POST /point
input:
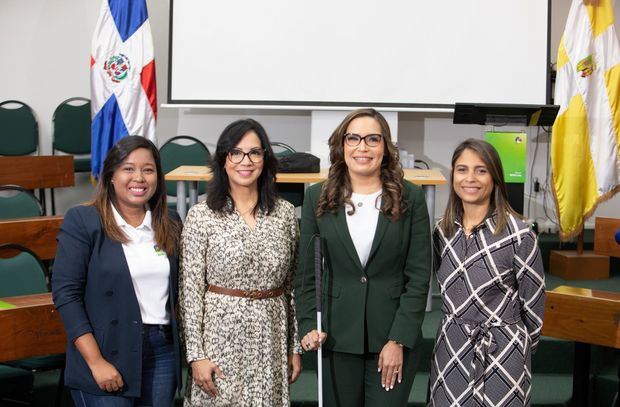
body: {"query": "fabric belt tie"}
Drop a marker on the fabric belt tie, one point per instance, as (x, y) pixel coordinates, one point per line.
(484, 344)
(251, 294)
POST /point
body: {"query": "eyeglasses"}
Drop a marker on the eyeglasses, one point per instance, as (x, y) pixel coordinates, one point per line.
(256, 155)
(354, 140)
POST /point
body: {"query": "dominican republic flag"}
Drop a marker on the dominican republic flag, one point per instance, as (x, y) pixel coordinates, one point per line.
(122, 77)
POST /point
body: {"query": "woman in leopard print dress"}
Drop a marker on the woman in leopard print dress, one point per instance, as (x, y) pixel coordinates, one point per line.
(238, 259)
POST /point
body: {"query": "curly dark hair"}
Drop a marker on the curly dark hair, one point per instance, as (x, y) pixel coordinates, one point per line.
(218, 189)
(336, 191)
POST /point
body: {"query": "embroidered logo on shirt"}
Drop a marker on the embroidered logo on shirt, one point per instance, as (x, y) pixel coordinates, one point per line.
(158, 250)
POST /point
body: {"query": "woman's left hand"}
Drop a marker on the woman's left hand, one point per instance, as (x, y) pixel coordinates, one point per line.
(390, 364)
(294, 368)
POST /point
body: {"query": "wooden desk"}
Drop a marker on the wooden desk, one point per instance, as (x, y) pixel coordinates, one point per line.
(583, 315)
(586, 317)
(31, 327)
(37, 234)
(191, 174)
(37, 172)
(604, 241)
(202, 173)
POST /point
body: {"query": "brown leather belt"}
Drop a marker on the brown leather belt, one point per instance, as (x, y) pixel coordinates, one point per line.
(251, 294)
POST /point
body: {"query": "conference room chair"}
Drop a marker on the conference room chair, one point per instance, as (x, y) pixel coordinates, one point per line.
(292, 192)
(23, 273)
(71, 123)
(15, 385)
(19, 131)
(182, 150)
(17, 202)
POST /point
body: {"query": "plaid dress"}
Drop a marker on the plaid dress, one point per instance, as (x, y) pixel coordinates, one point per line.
(493, 293)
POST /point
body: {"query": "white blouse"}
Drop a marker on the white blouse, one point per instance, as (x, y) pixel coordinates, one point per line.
(149, 269)
(363, 223)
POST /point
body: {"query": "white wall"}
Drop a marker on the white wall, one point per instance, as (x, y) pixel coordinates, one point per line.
(45, 50)
(293, 60)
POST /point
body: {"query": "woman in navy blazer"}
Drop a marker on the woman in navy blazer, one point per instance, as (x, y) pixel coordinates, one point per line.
(115, 285)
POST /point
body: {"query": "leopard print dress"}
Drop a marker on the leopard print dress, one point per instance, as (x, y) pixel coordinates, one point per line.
(249, 340)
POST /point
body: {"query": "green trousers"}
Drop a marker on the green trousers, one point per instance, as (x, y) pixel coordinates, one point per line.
(351, 380)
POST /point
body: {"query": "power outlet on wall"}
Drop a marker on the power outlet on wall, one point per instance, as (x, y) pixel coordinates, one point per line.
(547, 226)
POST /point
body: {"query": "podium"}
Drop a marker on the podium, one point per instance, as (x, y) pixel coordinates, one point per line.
(588, 265)
(587, 317)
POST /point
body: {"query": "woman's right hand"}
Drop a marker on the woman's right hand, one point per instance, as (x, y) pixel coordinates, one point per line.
(107, 377)
(312, 340)
(105, 374)
(202, 373)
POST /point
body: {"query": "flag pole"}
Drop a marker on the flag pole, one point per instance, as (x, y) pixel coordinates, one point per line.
(580, 242)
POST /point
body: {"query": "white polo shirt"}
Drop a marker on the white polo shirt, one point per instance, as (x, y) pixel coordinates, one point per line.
(149, 269)
(363, 223)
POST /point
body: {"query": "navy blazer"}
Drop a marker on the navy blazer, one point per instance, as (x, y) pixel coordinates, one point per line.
(93, 291)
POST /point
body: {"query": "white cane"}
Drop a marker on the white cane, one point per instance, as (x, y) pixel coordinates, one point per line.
(318, 272)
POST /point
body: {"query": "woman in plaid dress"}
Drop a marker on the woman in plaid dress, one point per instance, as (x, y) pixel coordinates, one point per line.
(492, 285)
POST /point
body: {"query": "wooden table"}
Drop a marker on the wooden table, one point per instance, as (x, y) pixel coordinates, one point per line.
(38, 234)
(30, 326)
(38, 172)
(191, 174)
(586, 317)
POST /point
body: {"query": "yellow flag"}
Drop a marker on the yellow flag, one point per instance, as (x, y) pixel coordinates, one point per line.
(586, 134)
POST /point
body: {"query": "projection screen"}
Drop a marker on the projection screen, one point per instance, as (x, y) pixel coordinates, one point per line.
(390, 53)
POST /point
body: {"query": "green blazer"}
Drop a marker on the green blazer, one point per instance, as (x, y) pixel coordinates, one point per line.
(384, 300)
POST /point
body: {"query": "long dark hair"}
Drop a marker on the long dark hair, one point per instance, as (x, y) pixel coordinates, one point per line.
(218, 189)
(337, 188)
(499, 196)
(166, 230)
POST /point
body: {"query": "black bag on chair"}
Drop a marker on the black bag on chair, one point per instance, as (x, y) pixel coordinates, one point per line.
(299, 162)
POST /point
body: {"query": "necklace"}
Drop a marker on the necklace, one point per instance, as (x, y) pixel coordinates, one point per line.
(246, 210)
(366, 199)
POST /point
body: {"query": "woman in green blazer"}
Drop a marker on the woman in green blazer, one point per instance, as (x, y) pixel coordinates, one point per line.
(375, 238)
